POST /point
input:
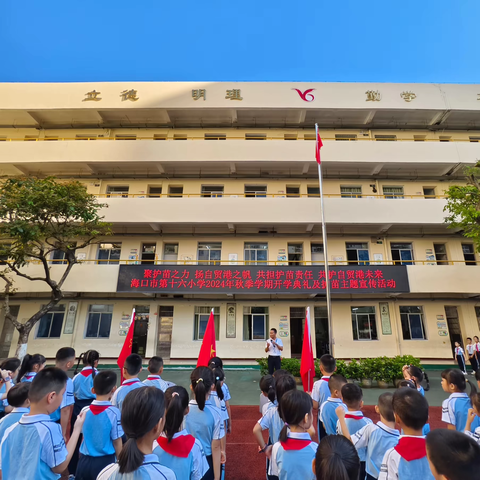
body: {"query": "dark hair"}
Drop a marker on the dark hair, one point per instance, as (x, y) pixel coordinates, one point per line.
(474, 398)
(11, 364)
(267, 385)
(411, 406)
(295, 405)
(273, 330)
(283, 385)
(279, 373)
(336, 459)
(202, 380)
(155, 364)
(18, 394)
(328, 363)
(176, 401)
(142, 409)
(104, 382)
(469, 338)
(419, 376)
(133, 364)
(336, 382)
(475, 336)
(89, 358)
(407, 384)
(64, 354)
(453, 454)
(216, 362)
(28, 362)
(455, 377)
(352, 395)
(49, 380)
(385, 405)
(219, 378)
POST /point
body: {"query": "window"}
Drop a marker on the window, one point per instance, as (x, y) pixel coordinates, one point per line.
(51, 323)
(124, 136)
(99, 321)
(3, 138)
(295, 254)
(175, 191)
(293, 191)
(412, 323)
(345, 138)
(419, 138)
(309, 136)
(180, 136)
(209, 253)
(364, 325)
(31, 138)
(468, 254)
(88, 136)
(58, 256)
(202, 314)
(256, 253)
(440, 253)
(109, 253)
(385, 138)
(255, 136)
(357, 253)
(290, 136)
(213, 191)
(313, 191)
(444, 138)
(149, 253)
(159, 136)
(393, 192)
(50, 139)
(474, 139)
(117, 191)
(255, 190)
(170, 253)
(402, 253)
(317, 254)
(154, 192)
(429, 192)
(349, 191)
(215, 136)
(255, 323)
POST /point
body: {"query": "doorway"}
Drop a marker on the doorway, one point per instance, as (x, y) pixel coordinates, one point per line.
(322, 341)
(454, 330)
(148, 253)
(140, 332)
(165, 326)
(295, 254)
(297, 320)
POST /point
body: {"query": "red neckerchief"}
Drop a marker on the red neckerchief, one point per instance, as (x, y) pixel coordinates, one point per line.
(153, 377)
(180, 446)
(96, 409)
(355, 417)
(28, 376)
(295, 444)
(411, 448)
(87, 373)
(325, 379)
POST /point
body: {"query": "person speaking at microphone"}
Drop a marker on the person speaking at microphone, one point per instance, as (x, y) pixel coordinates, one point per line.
(274, 348)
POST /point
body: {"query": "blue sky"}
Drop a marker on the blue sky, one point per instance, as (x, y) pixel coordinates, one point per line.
(244, 40)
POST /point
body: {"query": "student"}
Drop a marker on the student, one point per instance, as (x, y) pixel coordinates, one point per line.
(218, 362)
(353, 420)
(204, 420)
(293, 454)
(274, 348)
(131, 369)
(455, 407)
(416, 375)
(155, 368)
(460, 357)
(408, 459)
(470, 350)
(376, 438)
(6, 382)
(473, 416)
(34, 447)
(102, 431)
(31, 365)
(412, 384)
(18, 400)
(267, 395)
(476, 345)
(175, 447)
(336, 459)
(327, 414)
(64, 360)
(217, 397)
(452, 455)
(12, 365)
(143, 418)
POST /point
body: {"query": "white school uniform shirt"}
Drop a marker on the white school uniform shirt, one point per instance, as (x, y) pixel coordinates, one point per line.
(476, 346)
(272, 422)
(475, 435)
(455, 410)
(10, 419)
(149, 470)
(272, 349)
(407, 461)
(458, 351)
(377, 439)
(121, 392)
(321, 390)
(38, 439)
(267, 406)
(355, 421)
(158, 382)
(470, 349)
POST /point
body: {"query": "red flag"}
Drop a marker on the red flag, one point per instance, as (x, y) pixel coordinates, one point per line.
(307, 365)
(318, 146)
(127, 345)
(208, 349)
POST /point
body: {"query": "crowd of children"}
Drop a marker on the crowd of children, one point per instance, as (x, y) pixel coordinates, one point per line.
(351, 447)
(88, 429)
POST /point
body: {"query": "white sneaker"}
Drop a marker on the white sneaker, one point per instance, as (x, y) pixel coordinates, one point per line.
(465, 373)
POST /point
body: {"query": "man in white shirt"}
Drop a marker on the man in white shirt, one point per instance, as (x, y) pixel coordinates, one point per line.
(274, 348)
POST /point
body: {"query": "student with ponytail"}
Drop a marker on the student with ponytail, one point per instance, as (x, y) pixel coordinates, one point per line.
(143, 418)
(293, 454)
(267, 397)
(175, 447)
(218, 362)
(31, 365)
(9, 370)
(336, 459)
(204, 420)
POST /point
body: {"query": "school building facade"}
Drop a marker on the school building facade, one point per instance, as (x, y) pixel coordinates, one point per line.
(212, 190)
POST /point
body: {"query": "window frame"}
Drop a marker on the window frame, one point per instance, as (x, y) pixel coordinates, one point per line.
(370, 322)
(469, 262)
(217, 191)
(209, 250)
(85, 336)
(248, 322)
(51, 313)
(393, 195)
(358, 260)
(401, 261)
(206, 313)
(101, 261)
(250, 193)
(422, 321)
(256, 250)
(350, 193)
(111, 193)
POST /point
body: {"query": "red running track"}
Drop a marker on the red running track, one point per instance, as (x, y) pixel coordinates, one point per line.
(243, 461)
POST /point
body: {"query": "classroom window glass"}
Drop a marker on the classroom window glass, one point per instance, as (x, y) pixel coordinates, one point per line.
(202, 314)
(364, 323)
(51, 323)
(412, 323)
(255, 323)
(99, 321)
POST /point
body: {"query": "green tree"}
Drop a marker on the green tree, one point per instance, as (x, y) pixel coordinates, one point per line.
(463, 206)
(38, 217)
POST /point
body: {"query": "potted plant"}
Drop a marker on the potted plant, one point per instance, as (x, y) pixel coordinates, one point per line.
(353, 370)
(382, 372)
(367, 366)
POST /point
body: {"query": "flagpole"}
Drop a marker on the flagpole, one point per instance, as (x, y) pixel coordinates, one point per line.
(325, 253)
